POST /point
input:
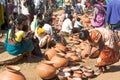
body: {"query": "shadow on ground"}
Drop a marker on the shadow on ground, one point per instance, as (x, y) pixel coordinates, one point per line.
(2, 49)
(114, 68)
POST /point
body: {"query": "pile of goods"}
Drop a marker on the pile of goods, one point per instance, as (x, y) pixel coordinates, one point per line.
(63, 62)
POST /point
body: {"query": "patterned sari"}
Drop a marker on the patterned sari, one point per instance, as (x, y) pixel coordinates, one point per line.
(108, 51)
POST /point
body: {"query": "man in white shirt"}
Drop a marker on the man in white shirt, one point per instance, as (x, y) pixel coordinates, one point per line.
(47, 26)
(67, 25)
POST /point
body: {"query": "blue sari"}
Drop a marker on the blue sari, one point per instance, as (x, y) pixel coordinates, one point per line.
(18, 48)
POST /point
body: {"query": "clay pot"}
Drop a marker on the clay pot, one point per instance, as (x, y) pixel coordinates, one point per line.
(94, 52)
(72, 56)
(69, 54)
(89, 73)
(70, 38)
(77, 74)
(85, 49)
(59, 60)
(12, 73)
(63, 75)
(61, 47)
(50, 53)
(87, 20)
(75, 68)
(78, 50)
(66, 69)
(73, 78)
(75, 58)
(85, 68)
(46, 70)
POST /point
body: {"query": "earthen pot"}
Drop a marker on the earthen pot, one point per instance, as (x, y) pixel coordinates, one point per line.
(50, 53)
(85, 49)
(59, 60)
(12, 73)
(65, 69)
(78, 50)
(89, 73)
(61, 47)
(85, 68)
(73, 78)
(69, 54)
(87, 20)
(77, 74)
(94, 52)
(75, 58)
(46, 70)
(63, 75)
(75, 68)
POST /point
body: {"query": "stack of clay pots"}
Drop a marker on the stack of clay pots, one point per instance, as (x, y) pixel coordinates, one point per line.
(74, 38)
(86, 21)
(59, 61)
(84, 49)
(75, 73)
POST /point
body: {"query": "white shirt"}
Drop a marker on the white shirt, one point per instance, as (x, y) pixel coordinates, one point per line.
(24, 9)
(77, 24)
(48, 29)
(67, 26)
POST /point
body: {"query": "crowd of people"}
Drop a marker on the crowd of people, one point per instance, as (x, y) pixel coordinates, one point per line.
(31, 31)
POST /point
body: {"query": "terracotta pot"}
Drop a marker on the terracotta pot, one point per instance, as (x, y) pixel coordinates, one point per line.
(12, 73)
(87, 20)
(50, 53)
(72, 63)
(46, 70)
(85, 68)
(61, 47)
(65, 69)
(70, 38)
(69, 54)
(77, 74)
(85, 49)
(75, 68)
(73, 78)
(75, 58)
(63, 75)
(89, 73)
(94, 52)
(59, 60)
(78, 50)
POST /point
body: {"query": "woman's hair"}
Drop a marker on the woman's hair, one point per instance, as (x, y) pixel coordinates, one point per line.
(17, 22)
(70, 16)
(39, 15)
(84, 34)
(93, 2)
(25, 28)
(78, 19)
(48, 20)
(40, 23)
(49, 13)
(20, 19)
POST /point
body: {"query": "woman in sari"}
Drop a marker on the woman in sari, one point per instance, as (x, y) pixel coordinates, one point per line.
(108, 48)
(17, 42)
(99, 13)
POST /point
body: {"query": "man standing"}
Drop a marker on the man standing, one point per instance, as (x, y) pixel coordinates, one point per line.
(67, 4)
(113, 14)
